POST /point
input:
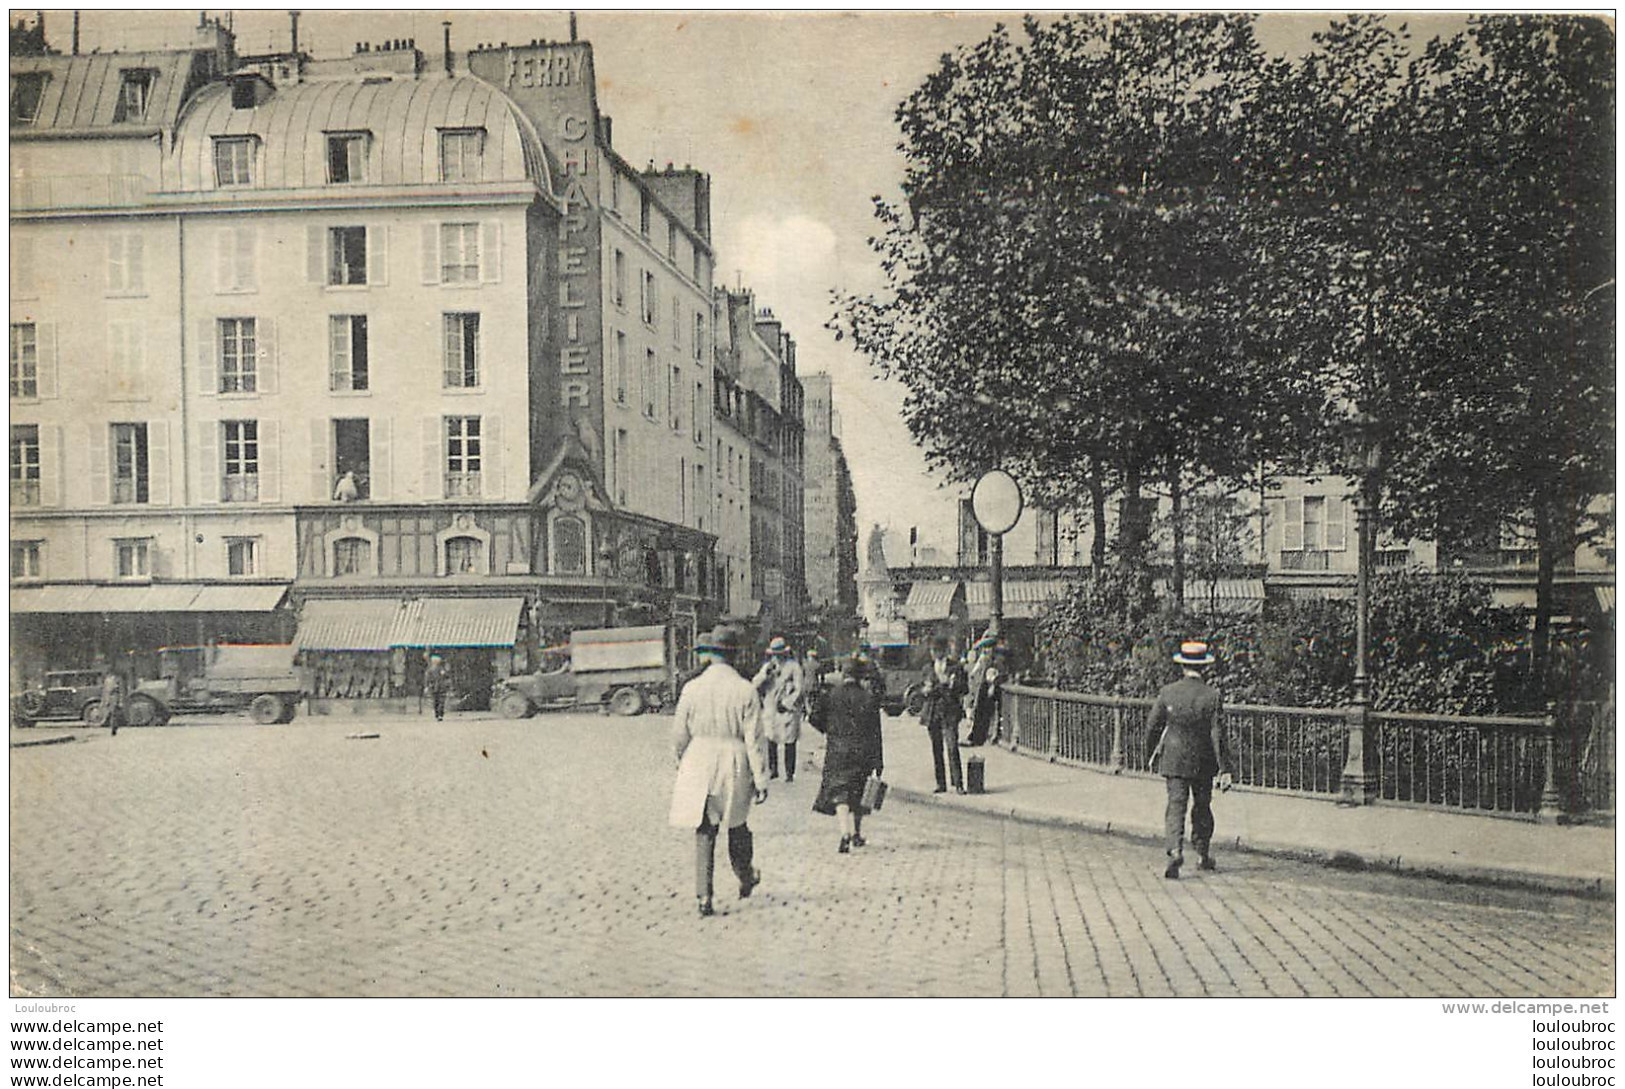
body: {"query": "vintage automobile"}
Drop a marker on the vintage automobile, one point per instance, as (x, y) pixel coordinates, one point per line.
(622, 670)
(65, 696)
(899, 667)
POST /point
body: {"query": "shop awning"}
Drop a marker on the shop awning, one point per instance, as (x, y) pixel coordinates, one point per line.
(1228, 595)
(930, 600)
(1023, 600)
(1605, 598)
(466, 622)
(168, 597)
(353, 623)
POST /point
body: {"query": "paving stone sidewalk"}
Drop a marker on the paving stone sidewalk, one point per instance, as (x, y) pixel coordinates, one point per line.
(1491, 850)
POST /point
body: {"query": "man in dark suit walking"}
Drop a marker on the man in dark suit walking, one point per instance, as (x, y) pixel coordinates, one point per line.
(943, 685)
(1189, 753)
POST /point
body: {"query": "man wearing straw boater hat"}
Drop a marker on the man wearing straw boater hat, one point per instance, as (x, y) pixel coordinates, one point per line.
(1189, 753)
(717, 736)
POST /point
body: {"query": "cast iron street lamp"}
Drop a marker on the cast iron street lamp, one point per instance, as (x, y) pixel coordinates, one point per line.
(1365, 455)
(996, 503)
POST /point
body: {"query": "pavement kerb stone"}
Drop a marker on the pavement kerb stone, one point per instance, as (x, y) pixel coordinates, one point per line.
(1454, 873)
(62, 739)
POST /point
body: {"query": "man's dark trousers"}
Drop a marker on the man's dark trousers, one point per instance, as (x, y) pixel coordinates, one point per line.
(946, 738)
(1199, 792)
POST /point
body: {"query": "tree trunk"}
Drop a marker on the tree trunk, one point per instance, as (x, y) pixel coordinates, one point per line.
(1130, 538)
(1547, 543)
(1176, 494)
(1097, 510)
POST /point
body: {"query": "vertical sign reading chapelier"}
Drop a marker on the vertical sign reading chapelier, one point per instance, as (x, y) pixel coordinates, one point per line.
(553, 86)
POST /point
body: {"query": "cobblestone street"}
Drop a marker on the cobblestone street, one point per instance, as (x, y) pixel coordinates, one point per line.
(489, 857)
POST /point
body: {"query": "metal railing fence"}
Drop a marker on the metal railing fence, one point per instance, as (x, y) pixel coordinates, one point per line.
(1506, 766)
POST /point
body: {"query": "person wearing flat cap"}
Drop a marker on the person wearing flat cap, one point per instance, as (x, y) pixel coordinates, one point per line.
(1186, 718)
(782, 684)
(721, 764)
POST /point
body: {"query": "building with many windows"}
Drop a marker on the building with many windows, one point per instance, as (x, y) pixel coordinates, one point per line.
(408, 340)
(830, 514)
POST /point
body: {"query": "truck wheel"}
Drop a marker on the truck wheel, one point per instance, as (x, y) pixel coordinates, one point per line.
(626, 701)
(266, 709)
(514, 705)
(144, 711)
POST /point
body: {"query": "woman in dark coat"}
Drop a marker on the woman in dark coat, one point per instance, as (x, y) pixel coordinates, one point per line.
(848, 715)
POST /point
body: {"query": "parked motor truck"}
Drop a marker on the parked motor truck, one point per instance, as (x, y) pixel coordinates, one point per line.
(623, 670)
(219, 678)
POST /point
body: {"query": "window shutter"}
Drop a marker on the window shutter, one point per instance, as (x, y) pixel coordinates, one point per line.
(135, 273)
(208, 356)
(225, 260)
(491, 252)
(50, 465)
(433, 454)
(316, 255)
(321, 480)
(491, 480)
(265, 345)
(1336, 524)
(115, 262)
(23, 284)
(430, 253)
(270, 462)
(378, 254)
(208, 462)
(380, 458)
(1292, 525)
(97, 439)
(158, 462)
(45, 358)
(247, 278)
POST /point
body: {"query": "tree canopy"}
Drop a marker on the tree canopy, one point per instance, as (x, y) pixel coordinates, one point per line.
(1139, 250)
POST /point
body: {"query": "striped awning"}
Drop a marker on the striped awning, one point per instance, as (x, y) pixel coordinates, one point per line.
(385, 623)
(930, 600)
(467, 622)
(354, 623)
(1605, 598)
(1223, 595)
(168, 597)
(1023, 599)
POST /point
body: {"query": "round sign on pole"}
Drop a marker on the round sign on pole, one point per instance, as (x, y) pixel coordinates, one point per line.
(996, 501)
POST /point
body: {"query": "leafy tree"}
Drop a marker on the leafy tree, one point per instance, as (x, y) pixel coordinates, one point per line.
(1063, 277)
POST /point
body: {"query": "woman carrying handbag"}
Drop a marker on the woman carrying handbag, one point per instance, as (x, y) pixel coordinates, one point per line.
(848, 715)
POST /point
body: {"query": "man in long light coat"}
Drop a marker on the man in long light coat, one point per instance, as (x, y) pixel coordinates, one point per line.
(782, 684)
(721, 764)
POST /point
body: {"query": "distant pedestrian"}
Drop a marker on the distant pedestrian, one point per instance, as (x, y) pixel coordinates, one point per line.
(983, 678)
(717, 737)
(1189, 752)
(943, 687)
(112, 702)
(435, 683)
(783, 687)
(848, 715)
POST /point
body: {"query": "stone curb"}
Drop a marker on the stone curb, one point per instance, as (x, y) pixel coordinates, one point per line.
(1454, 873)
(35, 743)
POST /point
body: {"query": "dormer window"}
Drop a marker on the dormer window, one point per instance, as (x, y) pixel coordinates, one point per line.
(234, 160)
(346, 157)
(460, 154)
(135, 92)
(27, 91)
(244, 94)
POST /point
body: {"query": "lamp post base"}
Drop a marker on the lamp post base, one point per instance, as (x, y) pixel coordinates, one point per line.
(1359, 787)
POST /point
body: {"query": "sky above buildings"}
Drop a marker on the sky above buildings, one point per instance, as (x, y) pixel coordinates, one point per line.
(793, 117)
